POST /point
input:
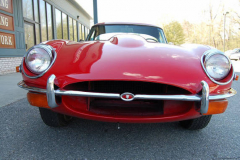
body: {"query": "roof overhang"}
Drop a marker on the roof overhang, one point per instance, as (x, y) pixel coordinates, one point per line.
(79, 7)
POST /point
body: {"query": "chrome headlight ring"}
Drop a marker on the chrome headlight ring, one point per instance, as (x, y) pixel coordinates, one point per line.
(210, 53)
(52, 53)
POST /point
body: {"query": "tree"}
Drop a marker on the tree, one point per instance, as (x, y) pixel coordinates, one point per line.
(210, 30)
(174, 33)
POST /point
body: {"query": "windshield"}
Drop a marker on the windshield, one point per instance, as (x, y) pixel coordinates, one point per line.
(236, 50)
(105, 32)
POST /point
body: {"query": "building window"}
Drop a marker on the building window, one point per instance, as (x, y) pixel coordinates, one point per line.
(86, 33)
(65, 28)
(70, 22)
(83, 33)
(43, 20)
(80, 31)
(75, 30)
(29, 35)
(31, 22)
(59, 23)
(37, 31)
(38, 17)
(28, 9)
(49, 21)
(36, 12)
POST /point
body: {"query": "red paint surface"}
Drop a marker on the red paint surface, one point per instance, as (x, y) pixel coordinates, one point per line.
(130, 58)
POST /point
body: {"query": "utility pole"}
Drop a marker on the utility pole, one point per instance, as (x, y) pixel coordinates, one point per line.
(95, 11)
(224, 14)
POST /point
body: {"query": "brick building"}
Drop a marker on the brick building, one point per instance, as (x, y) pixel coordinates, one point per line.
(24, 23)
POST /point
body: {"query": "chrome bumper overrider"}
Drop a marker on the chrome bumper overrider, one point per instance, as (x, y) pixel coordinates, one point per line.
(204, 98)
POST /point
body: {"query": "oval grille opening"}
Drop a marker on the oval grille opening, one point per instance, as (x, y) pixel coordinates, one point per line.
(134, 87)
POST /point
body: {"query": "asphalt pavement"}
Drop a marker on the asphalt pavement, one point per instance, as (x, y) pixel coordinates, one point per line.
(9, 91)
(236, 65)
(23, 135)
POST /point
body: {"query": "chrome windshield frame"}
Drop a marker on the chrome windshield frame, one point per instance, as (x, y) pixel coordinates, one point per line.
(160, 31)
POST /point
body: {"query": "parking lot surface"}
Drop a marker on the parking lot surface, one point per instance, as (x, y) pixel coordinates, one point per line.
(23, 135)
(236, 65)
(9, 92)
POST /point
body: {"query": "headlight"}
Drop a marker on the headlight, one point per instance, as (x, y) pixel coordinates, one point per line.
(217, 65)
(39, 58)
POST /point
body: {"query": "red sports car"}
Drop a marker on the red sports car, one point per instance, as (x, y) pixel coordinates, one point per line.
(127, 73)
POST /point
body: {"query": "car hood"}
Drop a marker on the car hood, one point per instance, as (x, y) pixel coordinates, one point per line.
(130, 58)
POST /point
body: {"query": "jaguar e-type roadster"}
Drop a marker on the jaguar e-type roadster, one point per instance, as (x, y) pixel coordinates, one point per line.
(127, 73)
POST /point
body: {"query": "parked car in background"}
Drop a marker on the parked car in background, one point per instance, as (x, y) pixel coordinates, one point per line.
(127, 73)
(233, 54)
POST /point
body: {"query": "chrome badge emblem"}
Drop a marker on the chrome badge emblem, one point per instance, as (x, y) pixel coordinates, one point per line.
(127, 96)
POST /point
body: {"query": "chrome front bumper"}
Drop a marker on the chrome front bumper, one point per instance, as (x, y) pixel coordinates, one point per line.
(204, 98)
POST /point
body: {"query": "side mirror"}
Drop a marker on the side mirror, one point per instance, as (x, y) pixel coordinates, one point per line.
(80, 40)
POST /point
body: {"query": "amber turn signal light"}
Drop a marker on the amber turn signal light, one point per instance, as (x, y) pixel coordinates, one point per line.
(236, 78)
(38, 100)
(217, 107)
(18, 69)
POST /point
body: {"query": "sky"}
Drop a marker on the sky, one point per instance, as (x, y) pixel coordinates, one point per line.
(156, 12)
